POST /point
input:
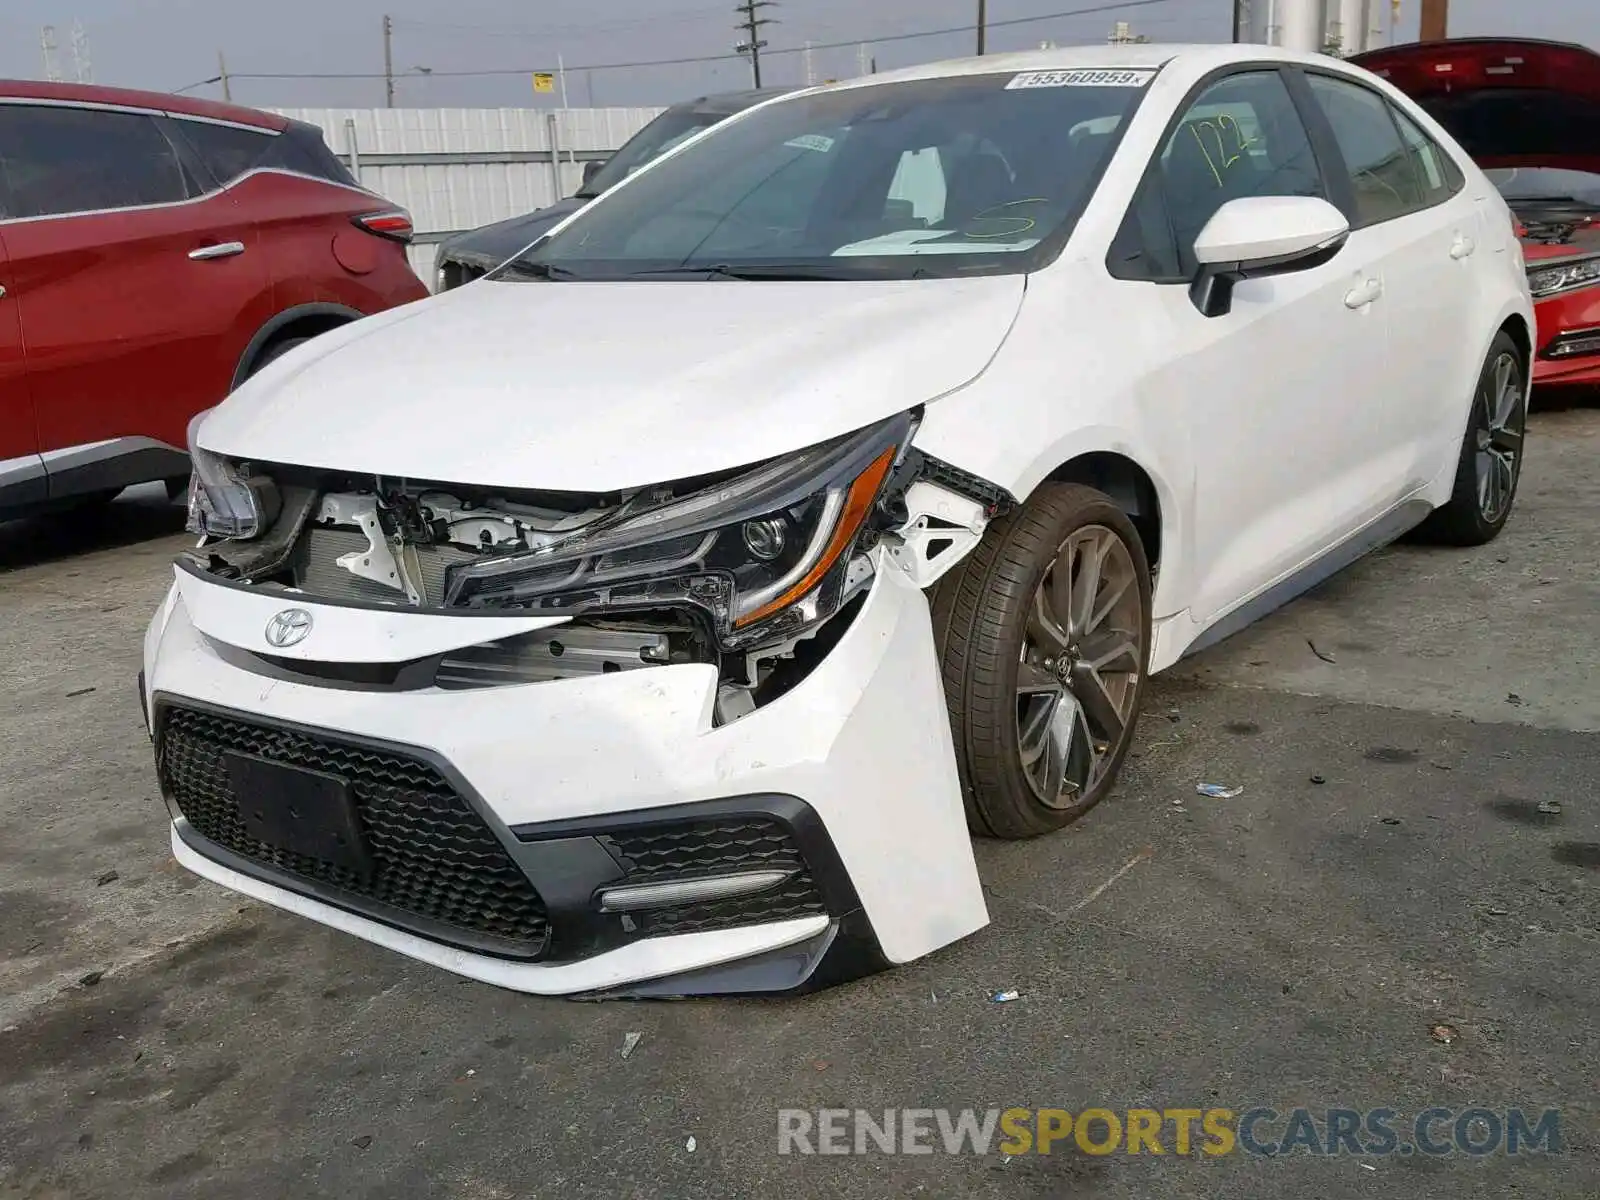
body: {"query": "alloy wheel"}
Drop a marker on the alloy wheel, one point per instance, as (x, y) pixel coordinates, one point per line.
(1502, 420)
(1078, 679)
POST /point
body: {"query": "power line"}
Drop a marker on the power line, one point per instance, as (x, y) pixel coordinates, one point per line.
(1090, 10)
(189, 87)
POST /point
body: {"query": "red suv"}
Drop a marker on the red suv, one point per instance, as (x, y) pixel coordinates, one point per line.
(154, 252)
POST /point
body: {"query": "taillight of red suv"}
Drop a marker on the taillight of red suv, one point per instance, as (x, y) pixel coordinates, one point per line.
(392, 223)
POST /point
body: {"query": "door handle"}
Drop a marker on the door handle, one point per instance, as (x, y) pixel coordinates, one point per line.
(1462, 246)
(220, 250)
(1363, 293)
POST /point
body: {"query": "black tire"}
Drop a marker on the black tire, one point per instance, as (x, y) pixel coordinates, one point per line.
(275, 351)
(980, 620)
(1467, 519)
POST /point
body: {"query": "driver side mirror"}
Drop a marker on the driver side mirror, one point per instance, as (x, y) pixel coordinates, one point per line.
(591, 169)
(1257, 236)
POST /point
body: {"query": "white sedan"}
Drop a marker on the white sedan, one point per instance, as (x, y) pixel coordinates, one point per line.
(663, 613)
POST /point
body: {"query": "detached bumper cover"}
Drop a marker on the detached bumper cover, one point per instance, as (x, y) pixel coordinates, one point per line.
(497, 818)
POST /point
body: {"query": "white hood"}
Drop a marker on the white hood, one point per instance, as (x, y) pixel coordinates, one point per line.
(608, 386)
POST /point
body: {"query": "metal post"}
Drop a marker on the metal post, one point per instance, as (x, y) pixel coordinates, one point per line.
(388, 62)
(983, 24)
(561, 74)
(553, 122)
(222, 73)
(350, 147)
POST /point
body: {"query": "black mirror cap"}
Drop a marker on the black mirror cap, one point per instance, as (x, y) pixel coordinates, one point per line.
(1212, 287)
(591, 169)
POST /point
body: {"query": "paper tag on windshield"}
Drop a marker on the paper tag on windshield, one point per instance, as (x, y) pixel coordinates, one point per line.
(811, 141)
(1091, 77)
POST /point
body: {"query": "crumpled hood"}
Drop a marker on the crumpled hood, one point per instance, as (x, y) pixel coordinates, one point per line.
(607, 386)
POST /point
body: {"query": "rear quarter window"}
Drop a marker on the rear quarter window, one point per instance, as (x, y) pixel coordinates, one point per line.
(227, 151)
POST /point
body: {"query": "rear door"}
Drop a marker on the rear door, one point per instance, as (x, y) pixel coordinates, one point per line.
(1410, 205)
(134, 286)
(21, 468)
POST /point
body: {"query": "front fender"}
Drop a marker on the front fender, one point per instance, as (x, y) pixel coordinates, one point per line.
(1019, 463)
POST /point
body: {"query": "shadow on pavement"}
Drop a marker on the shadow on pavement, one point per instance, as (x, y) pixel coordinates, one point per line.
(138, 515)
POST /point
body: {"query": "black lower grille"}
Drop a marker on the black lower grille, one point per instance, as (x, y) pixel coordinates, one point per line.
(436, 865)
(695, 849)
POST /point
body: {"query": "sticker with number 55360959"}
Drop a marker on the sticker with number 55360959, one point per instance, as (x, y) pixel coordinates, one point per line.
(1082, 77)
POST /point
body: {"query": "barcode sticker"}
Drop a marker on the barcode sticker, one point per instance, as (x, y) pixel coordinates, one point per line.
(1083, 77)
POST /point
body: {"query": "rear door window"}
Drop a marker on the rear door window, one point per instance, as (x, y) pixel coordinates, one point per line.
(58, 160)
(1382, 170)
(1431, 163)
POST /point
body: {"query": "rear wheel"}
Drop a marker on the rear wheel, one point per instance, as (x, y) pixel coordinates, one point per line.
(1490, 465)
(1044, 636)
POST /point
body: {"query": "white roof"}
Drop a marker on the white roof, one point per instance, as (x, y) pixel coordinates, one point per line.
(1202, 56)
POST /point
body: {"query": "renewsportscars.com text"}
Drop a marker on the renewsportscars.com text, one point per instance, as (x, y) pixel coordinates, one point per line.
(1260, 1131)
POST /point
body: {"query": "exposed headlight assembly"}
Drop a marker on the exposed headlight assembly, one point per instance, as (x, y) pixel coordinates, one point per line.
(764, 554)
(1546, 278)
(224, 501)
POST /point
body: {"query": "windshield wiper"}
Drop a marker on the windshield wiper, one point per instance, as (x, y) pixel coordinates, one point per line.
(539, 270)
(761, 271)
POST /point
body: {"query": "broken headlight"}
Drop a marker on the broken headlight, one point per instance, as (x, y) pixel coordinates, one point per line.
(764, 554)
(225, 502)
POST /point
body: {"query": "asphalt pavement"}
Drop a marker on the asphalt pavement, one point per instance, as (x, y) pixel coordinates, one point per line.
(1399, 910)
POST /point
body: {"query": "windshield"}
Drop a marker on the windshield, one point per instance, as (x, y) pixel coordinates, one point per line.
(1554, 184)
(962, 175)
(654, 140)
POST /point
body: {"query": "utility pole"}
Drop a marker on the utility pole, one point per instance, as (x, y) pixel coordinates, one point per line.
(388, 62)
(222, 74)
(47, 47)
(1435, 21)
(750, 10)
(983, 23)
(81, 67)
(808, 66)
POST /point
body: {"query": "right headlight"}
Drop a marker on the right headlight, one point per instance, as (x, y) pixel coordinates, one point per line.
(764, 554)
(1546, 278)
(223, 501)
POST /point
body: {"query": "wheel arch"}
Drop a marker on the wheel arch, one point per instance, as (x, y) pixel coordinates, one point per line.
(1516, 325)
(303, 320)
(1129, 485)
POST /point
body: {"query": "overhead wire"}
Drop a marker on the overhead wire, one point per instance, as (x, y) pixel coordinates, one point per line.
(488, 72)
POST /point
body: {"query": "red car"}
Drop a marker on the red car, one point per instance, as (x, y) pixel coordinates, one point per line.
(1529, 113)
(154, 251)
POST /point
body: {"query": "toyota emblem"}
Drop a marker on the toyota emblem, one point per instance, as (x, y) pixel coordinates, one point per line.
(288, 628)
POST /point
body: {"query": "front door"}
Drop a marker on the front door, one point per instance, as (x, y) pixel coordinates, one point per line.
(1278, 394)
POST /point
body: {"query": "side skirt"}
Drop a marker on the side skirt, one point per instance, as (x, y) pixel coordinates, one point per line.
(1387, 528)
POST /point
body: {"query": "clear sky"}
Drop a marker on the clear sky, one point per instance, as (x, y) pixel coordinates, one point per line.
(167, 44)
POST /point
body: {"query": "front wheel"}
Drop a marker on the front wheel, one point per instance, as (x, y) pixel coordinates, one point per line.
(1490, 464)
(1044, 639)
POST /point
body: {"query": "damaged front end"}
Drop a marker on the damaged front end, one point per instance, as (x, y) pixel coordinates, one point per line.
(757, 571)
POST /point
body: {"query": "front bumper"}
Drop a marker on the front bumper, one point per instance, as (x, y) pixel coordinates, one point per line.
(1568, 322)
(556, 791)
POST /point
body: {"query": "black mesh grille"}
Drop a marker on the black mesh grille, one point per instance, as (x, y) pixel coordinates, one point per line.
(433, 856)
(717, 846)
